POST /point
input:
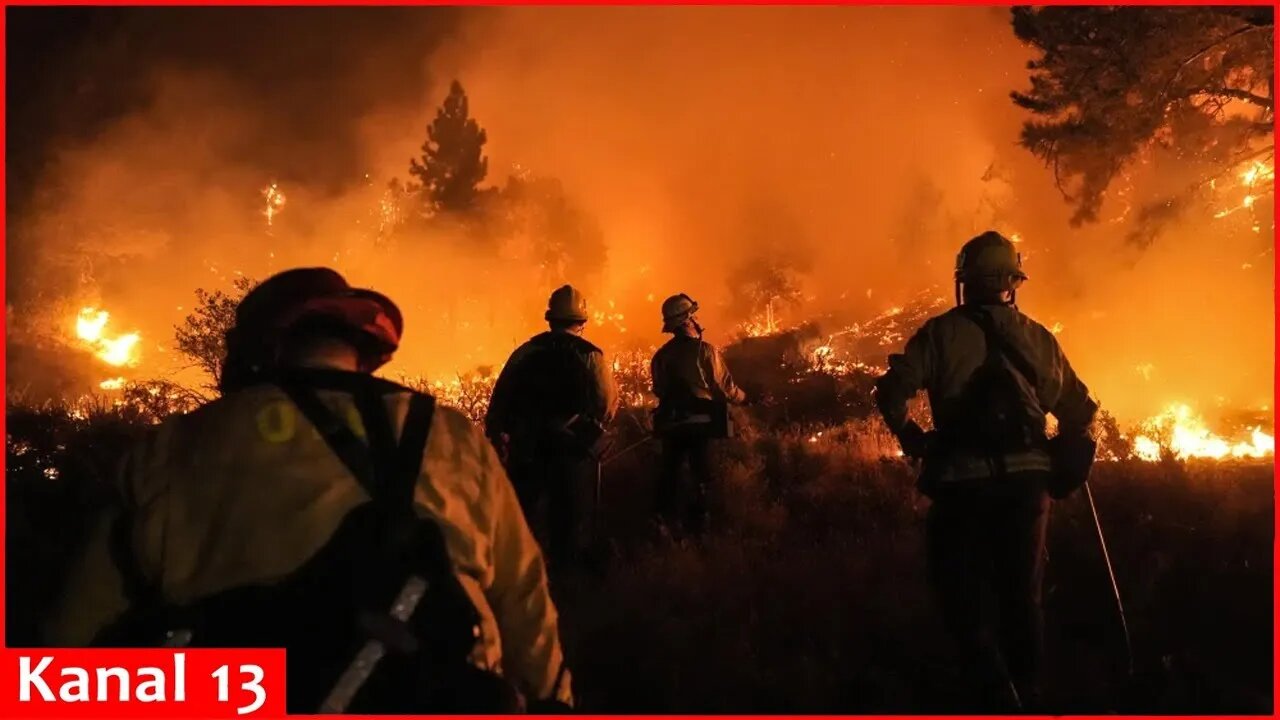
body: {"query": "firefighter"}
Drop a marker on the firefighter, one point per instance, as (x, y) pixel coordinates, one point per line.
(991, 374)
(693, 387)
(549, 409)
(250, 490)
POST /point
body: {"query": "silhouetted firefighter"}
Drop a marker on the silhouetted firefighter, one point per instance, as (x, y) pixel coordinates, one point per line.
(991, 374)
(547, 415)
(694, 388)
(317, 508)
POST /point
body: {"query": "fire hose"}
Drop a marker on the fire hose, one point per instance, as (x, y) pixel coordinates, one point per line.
(1115, 588)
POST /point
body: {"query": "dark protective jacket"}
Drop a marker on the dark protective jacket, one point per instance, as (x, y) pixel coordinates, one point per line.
(942, 357)
(245, 490)
(687, 367)
(548, 380)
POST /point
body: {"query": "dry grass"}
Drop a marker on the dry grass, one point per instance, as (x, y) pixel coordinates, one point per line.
(808, 592)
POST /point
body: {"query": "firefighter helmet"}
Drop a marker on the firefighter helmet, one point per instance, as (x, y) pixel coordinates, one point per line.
(991, 258)
(287, 299)
(676, 310)
(566, 304)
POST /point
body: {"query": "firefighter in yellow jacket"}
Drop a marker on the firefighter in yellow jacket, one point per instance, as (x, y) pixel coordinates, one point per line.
(991, 374)
(244, 491)
(688, 374)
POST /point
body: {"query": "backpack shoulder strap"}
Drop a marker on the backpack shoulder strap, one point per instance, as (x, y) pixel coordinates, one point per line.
(340, 438)
(1001, 344)
(408, 457)
(387, 470)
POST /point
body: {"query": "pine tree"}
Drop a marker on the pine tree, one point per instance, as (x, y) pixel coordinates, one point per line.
(452, 164)
(1112, 83)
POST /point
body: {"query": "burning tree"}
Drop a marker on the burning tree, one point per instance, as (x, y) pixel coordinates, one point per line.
(1113, 84)
(761, 286)
(452, 164)
(769, 279)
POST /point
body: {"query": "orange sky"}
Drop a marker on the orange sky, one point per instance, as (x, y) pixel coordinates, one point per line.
(855, 138)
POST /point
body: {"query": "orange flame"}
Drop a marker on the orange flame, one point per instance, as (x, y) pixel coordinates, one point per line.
(1184, 434)
(118, 351)
(275, 202)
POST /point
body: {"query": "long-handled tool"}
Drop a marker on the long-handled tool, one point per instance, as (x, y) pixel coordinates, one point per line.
(371, 653)
(625, 450)
(1115, 588)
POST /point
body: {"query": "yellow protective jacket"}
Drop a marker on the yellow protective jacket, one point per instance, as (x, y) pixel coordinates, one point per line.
(244, 490)
(688, 366)
(945, 352)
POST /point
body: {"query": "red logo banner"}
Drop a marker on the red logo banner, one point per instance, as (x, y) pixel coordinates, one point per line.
(173, 683)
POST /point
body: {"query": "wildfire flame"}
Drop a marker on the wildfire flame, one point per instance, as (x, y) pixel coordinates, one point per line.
(1256, 179)
(275, 202)
(1186, 435)
(118, 350)
(116, 383)
(610, 316)
(1257, 171)
(763, 324)
(389, 215)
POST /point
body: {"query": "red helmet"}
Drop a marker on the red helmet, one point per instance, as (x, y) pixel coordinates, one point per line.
(284, 300)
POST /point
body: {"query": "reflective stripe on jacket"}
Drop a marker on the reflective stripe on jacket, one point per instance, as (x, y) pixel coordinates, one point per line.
(942, 356)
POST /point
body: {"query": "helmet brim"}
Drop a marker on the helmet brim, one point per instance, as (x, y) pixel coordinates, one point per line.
(678, 318)
(388, 306)
(971, 277)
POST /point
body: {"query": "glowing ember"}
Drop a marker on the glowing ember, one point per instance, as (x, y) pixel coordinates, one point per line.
(388, 211)
(1185, 435)
(1256, 179)
(116, 383)
(1257, 171)
(610, 316)
(119, 350)
(275, 202)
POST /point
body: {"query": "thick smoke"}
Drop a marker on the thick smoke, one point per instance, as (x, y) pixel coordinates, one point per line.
(859, 147)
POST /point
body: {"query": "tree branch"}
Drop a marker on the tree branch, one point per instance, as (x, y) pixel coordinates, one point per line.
(1164, 93)
(1239, 94)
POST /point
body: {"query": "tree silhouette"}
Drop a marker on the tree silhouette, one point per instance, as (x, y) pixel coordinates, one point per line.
(1113, 82)
(768, 280)
(201, 337)
(564, 239)
(452, 164)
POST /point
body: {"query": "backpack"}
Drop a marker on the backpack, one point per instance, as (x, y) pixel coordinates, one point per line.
(995, 417)
(376, 620)
(552, 397)
(1000, 420)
